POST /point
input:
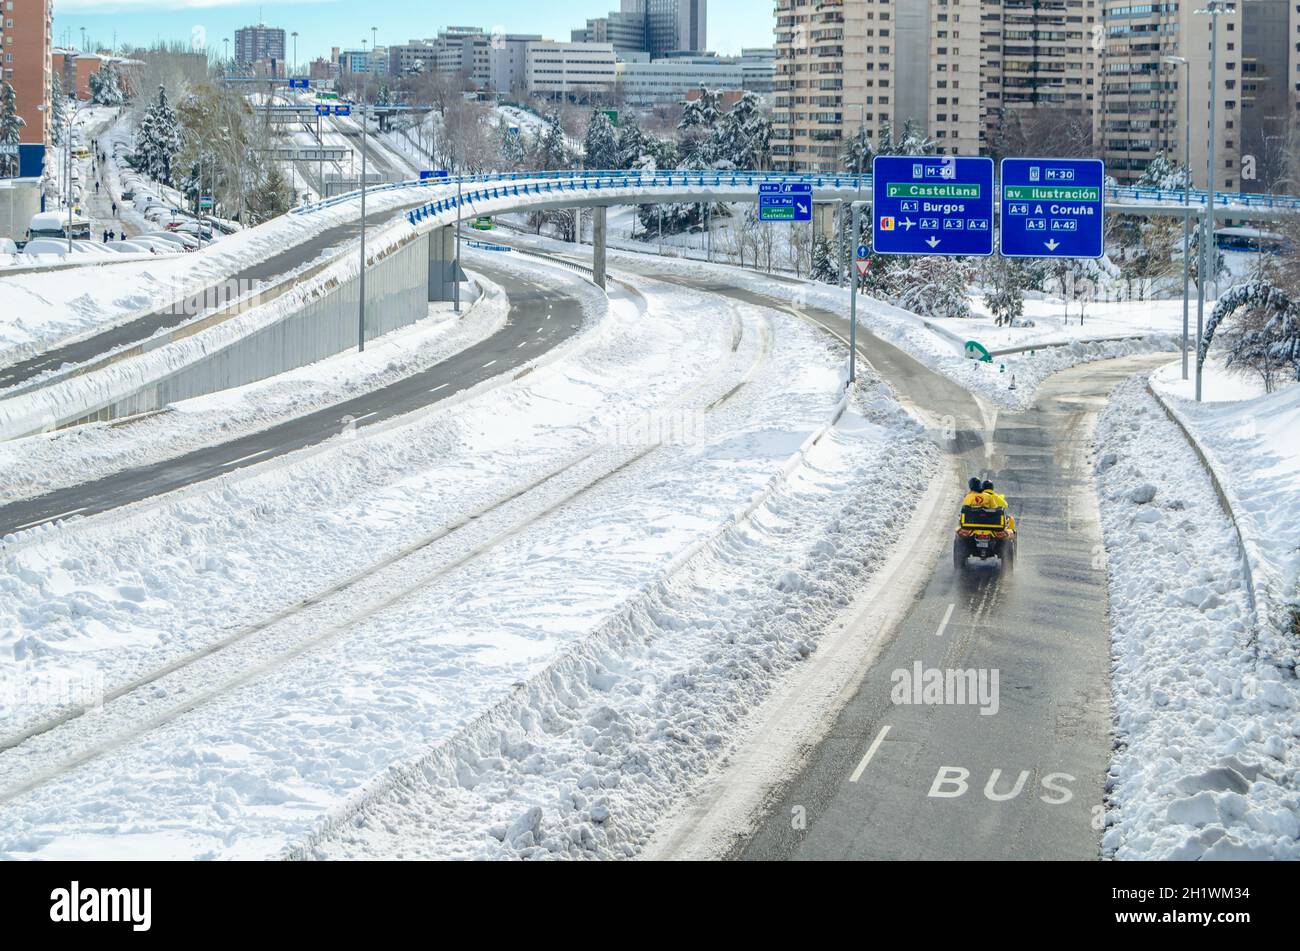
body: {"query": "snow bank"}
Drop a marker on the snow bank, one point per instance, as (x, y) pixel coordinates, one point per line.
(1206, 759)
(1010, 380)
(585, 758)
(1252, 447)
(37, 464)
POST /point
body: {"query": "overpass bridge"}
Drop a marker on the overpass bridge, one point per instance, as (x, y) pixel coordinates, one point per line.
(452, 199)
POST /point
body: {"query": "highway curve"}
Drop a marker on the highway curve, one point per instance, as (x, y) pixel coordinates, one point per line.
(539, 318)
(945, 781)
(145, 326)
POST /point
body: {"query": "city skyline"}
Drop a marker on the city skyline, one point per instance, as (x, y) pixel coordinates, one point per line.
(322, 24)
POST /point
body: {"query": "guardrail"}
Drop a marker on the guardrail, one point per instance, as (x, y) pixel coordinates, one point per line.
(619, 178)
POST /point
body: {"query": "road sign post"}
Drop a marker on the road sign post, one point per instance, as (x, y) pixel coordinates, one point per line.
(929, 204)
(784, 201)
(853, 297)
(1052, 208)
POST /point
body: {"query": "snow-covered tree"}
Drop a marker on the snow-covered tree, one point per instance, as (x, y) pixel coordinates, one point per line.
(58, 109)
(602, 142)
(158, 139)
(1005, 281)
(697, 130)
(273, 196)
(1162, 173)
(550, 152)
(105, 89)
(634, 145)
(824, 268)
(11, 124)
(511, 145)
(934, 287)
(742, 139)
(1261, 323)
(857, 152)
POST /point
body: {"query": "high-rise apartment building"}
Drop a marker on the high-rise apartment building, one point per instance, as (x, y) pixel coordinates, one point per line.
(25, 63)
(260, 44)
(1056, 77)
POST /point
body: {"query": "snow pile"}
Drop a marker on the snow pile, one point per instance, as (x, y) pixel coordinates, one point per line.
(585, 758)
(37, 464)
(1253, 447)
(1010, 380)
(1206, 762)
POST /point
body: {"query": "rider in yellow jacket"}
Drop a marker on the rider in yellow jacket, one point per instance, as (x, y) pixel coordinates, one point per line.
(983, 496)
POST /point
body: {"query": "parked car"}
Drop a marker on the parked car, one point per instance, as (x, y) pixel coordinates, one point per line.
(130, 247)
(184, 241)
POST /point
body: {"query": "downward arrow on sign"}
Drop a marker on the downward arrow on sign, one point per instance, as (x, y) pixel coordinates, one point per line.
(1052, 245)
(933, 242)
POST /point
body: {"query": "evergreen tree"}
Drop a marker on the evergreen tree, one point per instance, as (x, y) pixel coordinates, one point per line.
(11, 124)
(158, 140)
(633, 144)
(58, 109)
(1162, 173)
(512, 148)
(272, 196)
(1005, 281)
(824, 268)
(105, 90)
(551, 153)
(743, 138)
(602, 142)
(857, 153)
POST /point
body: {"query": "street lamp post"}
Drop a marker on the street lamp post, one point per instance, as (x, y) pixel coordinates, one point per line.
(1187, 192)
(293, 69)
(67, 162)
(361, 315)
(1214, 9)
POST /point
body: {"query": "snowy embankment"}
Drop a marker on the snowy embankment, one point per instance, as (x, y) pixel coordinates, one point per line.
(53, 308)
(1206, 723)
(42, 463)
(371, 600)
(1249, 438)
(39, 409)
(1010, 380)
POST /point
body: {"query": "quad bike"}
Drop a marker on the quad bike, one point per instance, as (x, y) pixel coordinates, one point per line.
(984, 533)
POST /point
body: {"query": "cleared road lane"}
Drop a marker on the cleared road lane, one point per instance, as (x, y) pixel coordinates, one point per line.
(1015, 770)
(539, 318)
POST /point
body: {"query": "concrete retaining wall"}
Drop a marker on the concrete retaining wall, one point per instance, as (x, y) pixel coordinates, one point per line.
(396, 295)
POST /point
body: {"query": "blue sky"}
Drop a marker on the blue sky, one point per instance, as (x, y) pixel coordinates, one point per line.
(325, 23)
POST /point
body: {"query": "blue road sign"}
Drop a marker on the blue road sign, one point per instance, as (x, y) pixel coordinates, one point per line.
(322, 110)
(931, 204)
(343, 110)
(864, 251)
(785, 201)
(426, 173)
(299, 84)
(1052, 208)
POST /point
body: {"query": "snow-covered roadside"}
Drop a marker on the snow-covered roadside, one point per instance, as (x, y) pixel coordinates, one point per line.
(1249, 440)
(1010, 380)
(1206, 759)
(586, 759)
(49, 461)
(51, 308)
(487, 608)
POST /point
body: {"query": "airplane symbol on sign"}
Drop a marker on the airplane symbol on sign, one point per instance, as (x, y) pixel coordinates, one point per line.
(908, 223)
